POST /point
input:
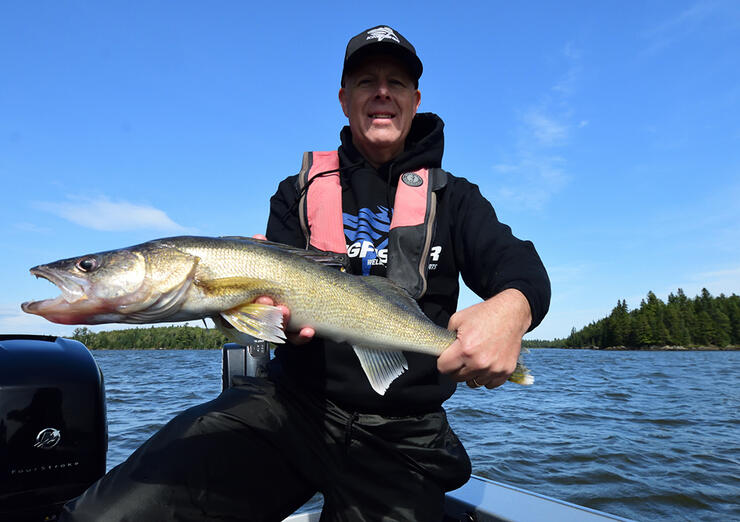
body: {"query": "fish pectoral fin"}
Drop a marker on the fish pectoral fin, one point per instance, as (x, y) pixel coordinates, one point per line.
(231, 333)
(258, 320)
(381, 367)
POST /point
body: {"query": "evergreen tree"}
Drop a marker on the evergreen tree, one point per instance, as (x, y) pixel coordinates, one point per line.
(705, 332)
(733, 312)
(722, 328)
(702, 321)
(678, 332)
(643, 331)
(618, 325)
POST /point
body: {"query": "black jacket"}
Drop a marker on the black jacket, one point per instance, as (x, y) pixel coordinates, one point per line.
(468, 241)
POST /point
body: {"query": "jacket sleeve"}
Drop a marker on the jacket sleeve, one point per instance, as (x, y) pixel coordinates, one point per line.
(490, 257)
(283, 224)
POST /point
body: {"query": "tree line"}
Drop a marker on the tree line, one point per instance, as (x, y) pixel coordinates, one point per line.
(161, 337)
(702, 321)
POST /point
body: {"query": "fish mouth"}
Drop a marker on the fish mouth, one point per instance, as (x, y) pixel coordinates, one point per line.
(73, 288)
(65, 308)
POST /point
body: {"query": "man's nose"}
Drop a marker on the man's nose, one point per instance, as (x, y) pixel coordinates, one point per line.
(383, 90)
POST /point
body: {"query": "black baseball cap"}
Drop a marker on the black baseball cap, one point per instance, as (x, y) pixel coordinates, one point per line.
(382, 40)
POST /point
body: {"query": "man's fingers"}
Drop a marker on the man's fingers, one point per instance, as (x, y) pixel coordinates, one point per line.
(302, 337)
(495, 383)
(450, 361)
(481, 381)
(270, 301)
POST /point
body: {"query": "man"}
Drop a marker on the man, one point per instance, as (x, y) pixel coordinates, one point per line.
(264, 447)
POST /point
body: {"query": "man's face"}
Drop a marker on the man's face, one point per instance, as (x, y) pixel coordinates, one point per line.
(380, 100)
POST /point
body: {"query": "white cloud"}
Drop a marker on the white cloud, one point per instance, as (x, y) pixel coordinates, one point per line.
(538, 167)
(726, 281)
(720, 14)
(14, 321)
(568, 82)
(532, 180)
(25, 226)
(103, 214)
(544, 128)
(717, 281)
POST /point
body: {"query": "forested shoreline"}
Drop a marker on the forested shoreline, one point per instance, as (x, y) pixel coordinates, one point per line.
(181, 337)
(704, 322)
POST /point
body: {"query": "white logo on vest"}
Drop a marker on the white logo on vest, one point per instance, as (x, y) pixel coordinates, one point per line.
(48, 438)
(412, 179)
(381, 33)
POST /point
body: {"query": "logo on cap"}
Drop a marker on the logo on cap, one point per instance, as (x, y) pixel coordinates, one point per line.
(381, 33)
(412, 179)
(48, 438)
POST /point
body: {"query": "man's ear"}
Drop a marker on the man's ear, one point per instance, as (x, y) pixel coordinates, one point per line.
(344, 101)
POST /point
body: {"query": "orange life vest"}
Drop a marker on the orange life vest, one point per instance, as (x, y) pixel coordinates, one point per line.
(411, 228)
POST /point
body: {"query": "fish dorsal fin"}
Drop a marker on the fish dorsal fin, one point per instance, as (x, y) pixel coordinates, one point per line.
(396, 293)
(258, 320)
(381, 367)
(317, 256)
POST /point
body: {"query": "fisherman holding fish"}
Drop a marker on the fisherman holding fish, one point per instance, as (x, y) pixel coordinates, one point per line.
(352, 407)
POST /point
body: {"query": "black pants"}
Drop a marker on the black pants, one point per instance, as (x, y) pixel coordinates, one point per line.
(259, 451)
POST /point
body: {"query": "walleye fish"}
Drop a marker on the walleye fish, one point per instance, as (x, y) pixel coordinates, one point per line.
(189, 278)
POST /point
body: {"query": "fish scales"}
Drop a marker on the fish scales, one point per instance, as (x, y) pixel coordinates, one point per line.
(320, 296)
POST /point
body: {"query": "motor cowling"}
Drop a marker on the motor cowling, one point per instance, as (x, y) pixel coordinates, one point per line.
(53, 424)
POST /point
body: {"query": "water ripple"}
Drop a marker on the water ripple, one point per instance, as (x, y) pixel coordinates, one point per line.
(644, 435)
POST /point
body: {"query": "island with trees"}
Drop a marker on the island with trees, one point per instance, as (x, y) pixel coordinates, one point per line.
(181, 337)
(704, 322)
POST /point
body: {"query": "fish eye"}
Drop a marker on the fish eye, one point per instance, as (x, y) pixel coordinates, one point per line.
(87, 264)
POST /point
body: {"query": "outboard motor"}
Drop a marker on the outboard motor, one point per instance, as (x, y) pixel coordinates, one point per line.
(53, 426)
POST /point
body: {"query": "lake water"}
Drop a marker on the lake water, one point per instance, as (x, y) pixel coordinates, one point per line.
(643, 435)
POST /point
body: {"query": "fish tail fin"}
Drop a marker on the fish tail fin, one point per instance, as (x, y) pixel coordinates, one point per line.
(381, 367)
(522, 375)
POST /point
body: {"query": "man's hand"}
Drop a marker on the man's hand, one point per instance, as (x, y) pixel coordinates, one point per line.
(489, 339)
(300, 337)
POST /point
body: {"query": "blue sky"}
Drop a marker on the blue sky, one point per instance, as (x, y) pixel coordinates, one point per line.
(606, 132)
